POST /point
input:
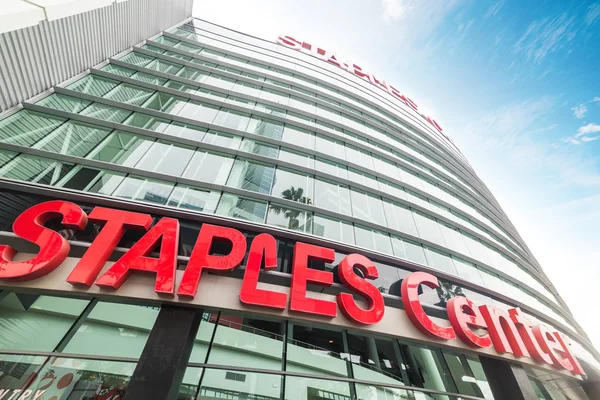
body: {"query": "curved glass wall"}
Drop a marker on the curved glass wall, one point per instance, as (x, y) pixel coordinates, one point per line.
(241, 134)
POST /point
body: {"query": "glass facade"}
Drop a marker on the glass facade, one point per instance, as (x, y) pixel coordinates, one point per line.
(207, 121)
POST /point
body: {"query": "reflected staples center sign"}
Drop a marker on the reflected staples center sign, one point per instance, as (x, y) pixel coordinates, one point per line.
(330, 57)
(477, 326)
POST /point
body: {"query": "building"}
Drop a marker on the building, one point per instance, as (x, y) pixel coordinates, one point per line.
(202, 148)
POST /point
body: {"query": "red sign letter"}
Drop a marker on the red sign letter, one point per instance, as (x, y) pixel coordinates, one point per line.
(410, 298)
(528, 337)
(53, 247)
(289, 41)
(504, 334)
(262, 244)
(463, 316)
(200, 258)
(350, 309)
(137, 258)
(551, 345)
(301, 274)
(576, 367)
(117, 221)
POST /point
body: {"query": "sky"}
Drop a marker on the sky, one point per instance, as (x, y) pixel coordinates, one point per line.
(515, 84)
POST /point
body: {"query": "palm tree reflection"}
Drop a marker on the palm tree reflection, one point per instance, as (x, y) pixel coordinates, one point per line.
(293, 194)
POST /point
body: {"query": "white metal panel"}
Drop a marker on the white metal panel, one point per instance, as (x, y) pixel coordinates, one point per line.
(35, 58)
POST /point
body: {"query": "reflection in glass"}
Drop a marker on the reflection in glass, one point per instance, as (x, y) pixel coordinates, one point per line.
(33, 322)
(114, 329)
(241, 207)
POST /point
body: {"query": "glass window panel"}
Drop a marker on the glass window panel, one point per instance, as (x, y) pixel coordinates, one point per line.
(332, 196)
(374, 360)
(152, 48)
(220, 82)
(182, 87)
(147, 190)
(26, 127)
(185, 131)
(146, 121)
(330, 147)
(362, 178)
(106, 183)
(188, 47)
(114, 329)
(192, 73)
(246, 88)
(332, 168)
(275, 96)
(164, 66)
(83, 378)
(298, 136)
(314, 350)
(292, 186)
(265, 127)
(367, 207)
(64, 103)
(118, 70)
(148, 78)
(289, 218)
(275, 111)
(408, 250)
(80, 178)
(138, 59)
(360, 157)
(209, 167)
(130, 94)
(428, 228)
(467, 271)
(238, 385)
(106, 113)
(250, 175)
(453, 238)
(121, 148)
(248, 341)
(372, 239)
(222, 139)
(463, 377)
(439, 260)
(165, 102)
(166, 158)
(424, 368)
(263, 149)
(35, 169)
(74, 138)
(400, 218)
(232, 119)
(199, 111)
(36, 323)
(241, 207)
(194, 199)
(333, 229)
(94, 85)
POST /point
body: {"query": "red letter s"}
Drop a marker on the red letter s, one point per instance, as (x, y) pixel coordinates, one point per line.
(348, 306)
(290, 42)
(53, 247)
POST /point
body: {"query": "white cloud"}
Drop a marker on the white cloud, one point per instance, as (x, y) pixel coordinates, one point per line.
(546, 36)
(593, 14)
(579, 111)
(494, 9)
(394, 9)
(589, 139)
(597, 98)
(587, 129)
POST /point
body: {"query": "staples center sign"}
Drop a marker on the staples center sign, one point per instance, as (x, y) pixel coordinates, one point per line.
(292, 43)
(477, 326)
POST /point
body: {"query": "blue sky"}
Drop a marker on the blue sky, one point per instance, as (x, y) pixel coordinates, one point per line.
(515, 84)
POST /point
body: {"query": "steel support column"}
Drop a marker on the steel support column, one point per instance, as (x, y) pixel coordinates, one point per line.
(160, 371)
(508, 381)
